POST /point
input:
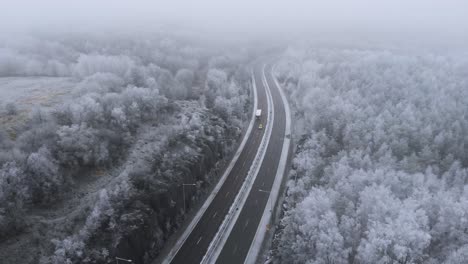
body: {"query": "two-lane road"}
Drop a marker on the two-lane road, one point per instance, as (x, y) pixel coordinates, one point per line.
(240, 239)
(196, 244)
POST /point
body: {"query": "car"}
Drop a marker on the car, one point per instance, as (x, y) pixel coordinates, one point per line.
(260, 126)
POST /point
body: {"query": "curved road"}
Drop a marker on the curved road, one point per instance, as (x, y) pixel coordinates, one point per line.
(240, 239)
(195, 246)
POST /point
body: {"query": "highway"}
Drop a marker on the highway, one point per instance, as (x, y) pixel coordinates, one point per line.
(238, 243)
(239, 240)
(196, 244)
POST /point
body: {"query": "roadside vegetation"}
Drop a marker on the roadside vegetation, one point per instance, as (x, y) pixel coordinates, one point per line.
(99, 175)
(380, 171)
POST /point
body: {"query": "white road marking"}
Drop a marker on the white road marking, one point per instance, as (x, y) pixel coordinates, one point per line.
(214, 215)
(235, 249)
(226, 194)
(198, 241)
(228, 224)
(250, 132)
(255, 246)
(246, 223)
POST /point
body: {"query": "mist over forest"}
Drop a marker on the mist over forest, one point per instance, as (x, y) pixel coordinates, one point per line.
(80, 179)
(108, 109)
(379, 174)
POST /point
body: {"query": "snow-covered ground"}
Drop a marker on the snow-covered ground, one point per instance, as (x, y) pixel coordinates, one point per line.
(29, 92)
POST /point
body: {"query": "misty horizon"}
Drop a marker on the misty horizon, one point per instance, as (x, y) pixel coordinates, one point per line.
(445, 18)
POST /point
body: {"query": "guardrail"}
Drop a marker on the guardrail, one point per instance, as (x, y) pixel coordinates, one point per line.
(267, 216)
(220, 238)
(181, 240)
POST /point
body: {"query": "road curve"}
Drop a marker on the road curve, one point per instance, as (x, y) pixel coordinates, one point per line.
(237, 246)
(195, 246)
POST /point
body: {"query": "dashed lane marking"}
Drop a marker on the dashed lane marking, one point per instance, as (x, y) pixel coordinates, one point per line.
(246, 223)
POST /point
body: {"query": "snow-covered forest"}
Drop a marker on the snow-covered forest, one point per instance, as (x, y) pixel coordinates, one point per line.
(380, 173)
(100, 173)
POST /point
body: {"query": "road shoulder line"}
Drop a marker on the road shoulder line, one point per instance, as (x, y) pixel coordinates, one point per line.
(256, 245)
(222, 235)
(168, 259)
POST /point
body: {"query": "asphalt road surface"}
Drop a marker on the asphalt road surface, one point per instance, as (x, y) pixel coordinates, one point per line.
(238, 243)
(196, 244)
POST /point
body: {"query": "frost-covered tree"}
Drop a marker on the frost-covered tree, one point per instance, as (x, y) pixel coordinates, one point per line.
(79, 145)
(134, 124)
(44, 179)
(11, 109)
(14, 194)
(185, 77)
(382, 139)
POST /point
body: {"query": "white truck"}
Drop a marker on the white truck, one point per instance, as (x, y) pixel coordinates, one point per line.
(258, 113)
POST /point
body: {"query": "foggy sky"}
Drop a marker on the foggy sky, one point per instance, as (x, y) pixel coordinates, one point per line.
(424, 15)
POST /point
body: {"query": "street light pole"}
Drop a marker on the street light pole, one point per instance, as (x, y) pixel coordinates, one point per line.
(183, 191)
(271, 204)
(122, 259)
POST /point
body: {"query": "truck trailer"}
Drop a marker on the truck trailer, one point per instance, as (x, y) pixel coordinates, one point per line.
(258, 113)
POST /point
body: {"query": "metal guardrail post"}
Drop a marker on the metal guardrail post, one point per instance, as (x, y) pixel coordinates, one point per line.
(208, 258)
